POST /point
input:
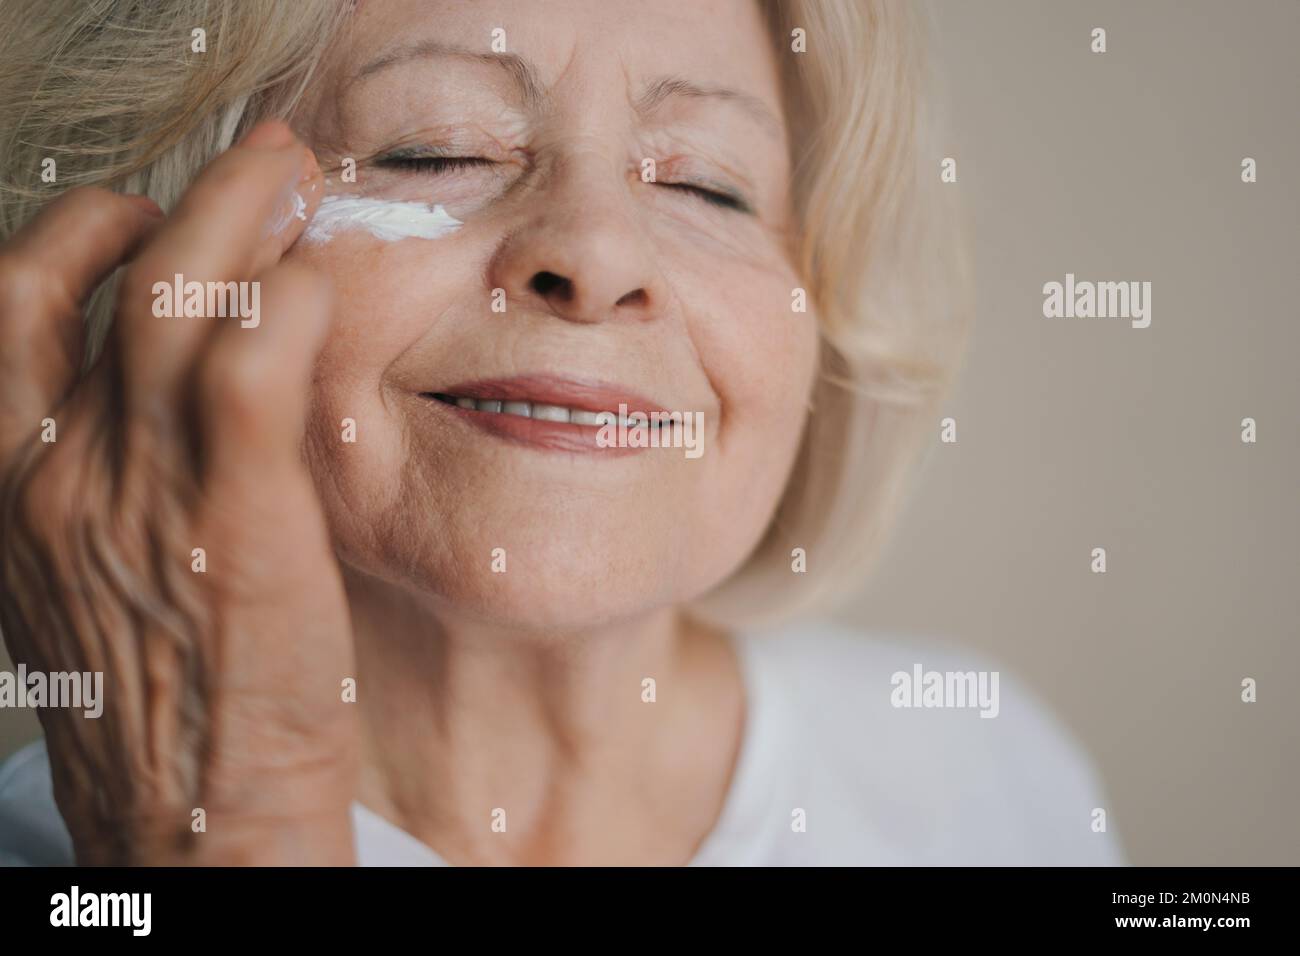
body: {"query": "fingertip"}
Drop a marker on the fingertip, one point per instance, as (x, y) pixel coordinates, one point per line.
(294, 213)
(311, 188)
(145, 205)
(268, 134)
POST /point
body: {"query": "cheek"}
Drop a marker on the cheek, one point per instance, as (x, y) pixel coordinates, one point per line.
(407, 502)
(355, 439)
(416, 504)
(758, 352)
(761, 358)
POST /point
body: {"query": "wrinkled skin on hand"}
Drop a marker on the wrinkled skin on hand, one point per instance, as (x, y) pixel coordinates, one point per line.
(222, 686)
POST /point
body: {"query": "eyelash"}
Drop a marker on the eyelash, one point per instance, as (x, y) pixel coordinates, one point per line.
(713, 197)
(434, 164)
(449, 164)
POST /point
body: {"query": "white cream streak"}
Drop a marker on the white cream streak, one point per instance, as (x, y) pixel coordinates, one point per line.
(382, 218)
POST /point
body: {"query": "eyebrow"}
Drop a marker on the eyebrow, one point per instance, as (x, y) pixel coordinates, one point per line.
(524, 76)
(520, 71)
(667, 87)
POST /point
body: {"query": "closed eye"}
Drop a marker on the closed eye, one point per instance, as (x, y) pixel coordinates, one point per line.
(716, 197)
(448, 164)
(433, 164)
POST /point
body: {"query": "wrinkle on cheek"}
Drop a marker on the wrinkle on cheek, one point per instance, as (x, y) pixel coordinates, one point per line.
(757, 355)
(350, 475)
(369, 515)
(713, 235)
(320, 450)
(417, 491)
(381, 493)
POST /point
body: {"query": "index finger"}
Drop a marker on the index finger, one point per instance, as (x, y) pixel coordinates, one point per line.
(235, 219)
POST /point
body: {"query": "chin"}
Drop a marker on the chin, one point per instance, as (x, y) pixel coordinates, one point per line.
(565, 585)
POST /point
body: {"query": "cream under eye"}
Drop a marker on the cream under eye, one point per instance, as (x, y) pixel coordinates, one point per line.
(384, 219)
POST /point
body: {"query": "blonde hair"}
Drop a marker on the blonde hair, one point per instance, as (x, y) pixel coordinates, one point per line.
(879, 248)
(110, 91)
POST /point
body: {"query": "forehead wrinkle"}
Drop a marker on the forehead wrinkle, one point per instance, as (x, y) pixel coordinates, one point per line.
(522, 73)
(666, 88)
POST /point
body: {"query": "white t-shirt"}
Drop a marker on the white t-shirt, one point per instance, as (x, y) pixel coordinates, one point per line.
(832, 771)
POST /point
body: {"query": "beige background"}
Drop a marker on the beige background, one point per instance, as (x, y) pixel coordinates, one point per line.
(1082, 433)
(1079, 433)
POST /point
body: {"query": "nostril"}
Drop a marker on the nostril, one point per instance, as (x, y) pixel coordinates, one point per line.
(636, 297)
(549, 284)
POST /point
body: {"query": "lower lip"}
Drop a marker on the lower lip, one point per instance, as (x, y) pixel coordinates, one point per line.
(535, 432)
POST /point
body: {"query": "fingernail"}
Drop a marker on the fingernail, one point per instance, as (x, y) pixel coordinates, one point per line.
(309, 165)
(146, 204)
(269, 134)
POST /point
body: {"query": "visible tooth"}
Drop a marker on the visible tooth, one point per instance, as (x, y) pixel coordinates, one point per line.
(606, 418)
(671, 420)
(636, 420)
(586, 418)
(551, 413)
(488, 405)
(522, 409)
(466, 403)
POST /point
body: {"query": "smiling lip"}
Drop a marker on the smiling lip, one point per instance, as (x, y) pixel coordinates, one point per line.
(547, 390)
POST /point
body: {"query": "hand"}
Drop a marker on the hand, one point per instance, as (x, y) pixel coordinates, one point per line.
(222, 687)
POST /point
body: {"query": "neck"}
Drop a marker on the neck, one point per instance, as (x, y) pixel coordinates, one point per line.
(469, 726)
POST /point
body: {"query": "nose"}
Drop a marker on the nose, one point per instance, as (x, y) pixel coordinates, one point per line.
(581, 254)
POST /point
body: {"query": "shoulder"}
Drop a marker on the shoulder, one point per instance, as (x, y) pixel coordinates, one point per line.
(31, 830)
(934, 754)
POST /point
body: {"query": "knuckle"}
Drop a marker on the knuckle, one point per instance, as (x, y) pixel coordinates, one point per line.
(236, 389)
(33, 275)
(44, 499)
(221, 176)
(26, 287)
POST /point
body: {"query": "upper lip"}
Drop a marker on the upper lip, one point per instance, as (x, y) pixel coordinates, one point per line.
(583, 394)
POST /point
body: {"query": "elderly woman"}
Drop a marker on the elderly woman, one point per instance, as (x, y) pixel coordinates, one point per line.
(435, 463)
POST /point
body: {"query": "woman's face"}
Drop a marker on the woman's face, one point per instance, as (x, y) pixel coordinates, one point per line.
(674, 293)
